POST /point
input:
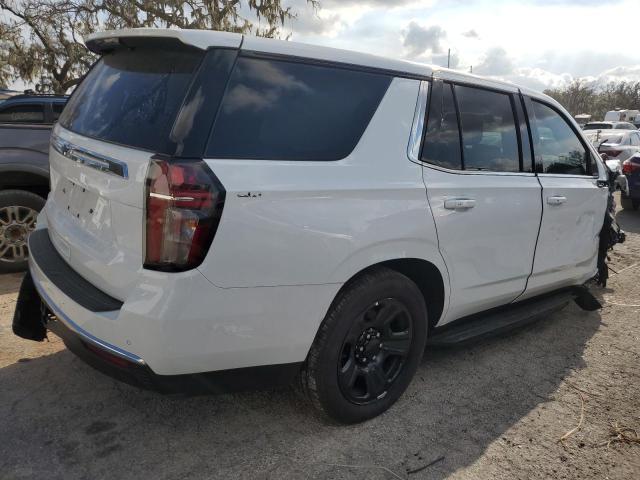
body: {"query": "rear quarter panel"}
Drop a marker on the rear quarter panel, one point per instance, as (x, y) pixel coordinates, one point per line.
(297, 223)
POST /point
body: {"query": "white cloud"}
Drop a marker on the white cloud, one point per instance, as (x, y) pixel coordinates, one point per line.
(495, 62)
(419, 39)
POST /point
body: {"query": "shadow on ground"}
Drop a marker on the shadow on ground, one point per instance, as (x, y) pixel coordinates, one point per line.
(61, 419)
(629, 220)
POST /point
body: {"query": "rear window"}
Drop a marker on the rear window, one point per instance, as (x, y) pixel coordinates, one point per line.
(131, 97)
(276, 109)
(598, 126)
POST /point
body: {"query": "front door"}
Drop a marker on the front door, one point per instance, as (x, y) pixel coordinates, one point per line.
(574, 202)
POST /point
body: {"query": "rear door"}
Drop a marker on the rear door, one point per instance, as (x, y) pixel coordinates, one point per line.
(482, 191)
(574, 201)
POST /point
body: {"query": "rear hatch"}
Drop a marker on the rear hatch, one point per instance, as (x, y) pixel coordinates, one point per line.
(121, 115)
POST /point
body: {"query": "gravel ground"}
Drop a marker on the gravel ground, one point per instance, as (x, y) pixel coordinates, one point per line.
(497, 409)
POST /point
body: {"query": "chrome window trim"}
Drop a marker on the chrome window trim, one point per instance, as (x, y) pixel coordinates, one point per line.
(415, 140)
(89, 158)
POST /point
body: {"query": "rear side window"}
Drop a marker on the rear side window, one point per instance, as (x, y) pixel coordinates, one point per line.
(635, 139)
(489, 136)
(442, 138)
(275, 109)
(29, 113)
(557, 147)
(131, 97)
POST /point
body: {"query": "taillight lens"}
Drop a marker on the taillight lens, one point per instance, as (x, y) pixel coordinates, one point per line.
(184, 202)
(629, 167)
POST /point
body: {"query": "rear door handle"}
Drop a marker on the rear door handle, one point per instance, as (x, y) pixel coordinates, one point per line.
(556, 200)
(459, 203)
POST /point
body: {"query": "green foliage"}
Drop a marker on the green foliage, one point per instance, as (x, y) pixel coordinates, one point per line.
(41, 40)
(580, 97)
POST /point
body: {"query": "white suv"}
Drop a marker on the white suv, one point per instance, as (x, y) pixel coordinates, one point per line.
(234, 212)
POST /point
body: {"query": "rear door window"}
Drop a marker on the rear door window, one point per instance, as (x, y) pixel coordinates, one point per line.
(25, 113)
(282, 110)
(558, 149)
(489, 135)
(131, 97)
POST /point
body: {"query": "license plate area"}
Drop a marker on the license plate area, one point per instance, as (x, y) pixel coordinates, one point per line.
(86, 206)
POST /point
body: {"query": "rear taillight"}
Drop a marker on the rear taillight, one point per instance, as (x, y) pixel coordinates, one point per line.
(629, 167)
(184, 202)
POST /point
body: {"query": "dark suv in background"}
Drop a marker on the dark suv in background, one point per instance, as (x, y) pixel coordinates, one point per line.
(25, 128)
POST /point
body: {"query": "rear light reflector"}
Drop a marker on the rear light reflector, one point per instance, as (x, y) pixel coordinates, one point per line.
(184, 202)
(629, 167)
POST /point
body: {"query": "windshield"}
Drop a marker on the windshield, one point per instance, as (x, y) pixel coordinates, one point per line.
(598, 126)
(132, 97)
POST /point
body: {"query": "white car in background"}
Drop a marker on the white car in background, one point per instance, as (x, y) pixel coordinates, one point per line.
(234, 212)
(609, 126)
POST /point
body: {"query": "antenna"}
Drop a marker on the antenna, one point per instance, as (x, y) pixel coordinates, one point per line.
(449, 59)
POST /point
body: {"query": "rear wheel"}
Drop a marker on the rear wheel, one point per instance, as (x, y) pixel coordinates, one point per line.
(368, 347)
(628, 203)
(18, 212)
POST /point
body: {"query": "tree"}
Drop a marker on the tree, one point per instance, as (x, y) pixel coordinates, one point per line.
(580, 97)
(41, 40)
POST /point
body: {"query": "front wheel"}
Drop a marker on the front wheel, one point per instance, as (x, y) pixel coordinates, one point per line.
(367, 348)
(18, 212)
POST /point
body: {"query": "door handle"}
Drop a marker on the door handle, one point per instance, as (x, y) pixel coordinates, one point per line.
(459, 203)
(556, 200)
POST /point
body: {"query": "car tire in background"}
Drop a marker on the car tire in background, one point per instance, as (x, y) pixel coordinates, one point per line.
(18, 212)
(368, 347)
(628, 203)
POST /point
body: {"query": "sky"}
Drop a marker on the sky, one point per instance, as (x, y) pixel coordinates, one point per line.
(535, 43)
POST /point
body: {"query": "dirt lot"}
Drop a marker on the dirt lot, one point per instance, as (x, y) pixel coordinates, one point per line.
(493, 410)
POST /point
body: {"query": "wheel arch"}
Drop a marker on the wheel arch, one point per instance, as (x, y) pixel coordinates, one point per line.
(33, 180)
(425, 274)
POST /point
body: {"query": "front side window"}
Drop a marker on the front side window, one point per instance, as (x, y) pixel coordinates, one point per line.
(442, 137)
(489, 136)
(283, 110)
(557, 147)
(635, 139)
(28, 113)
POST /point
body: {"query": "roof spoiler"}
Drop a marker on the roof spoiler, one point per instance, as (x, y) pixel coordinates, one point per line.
(201, 39)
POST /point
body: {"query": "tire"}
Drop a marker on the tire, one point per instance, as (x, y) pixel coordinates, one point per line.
(340, 357)
(18, 211)
(629, 204)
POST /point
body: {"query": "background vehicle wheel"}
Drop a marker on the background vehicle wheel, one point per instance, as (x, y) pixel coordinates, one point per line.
(629, 204)
(367, 348)
(18, 212)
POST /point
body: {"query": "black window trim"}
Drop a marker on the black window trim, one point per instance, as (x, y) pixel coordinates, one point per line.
(442, 81)
(590, 161)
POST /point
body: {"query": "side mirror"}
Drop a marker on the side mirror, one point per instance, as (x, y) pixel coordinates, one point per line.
(604, 156)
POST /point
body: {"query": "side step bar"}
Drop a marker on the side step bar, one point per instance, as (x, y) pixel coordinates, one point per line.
(502, 319)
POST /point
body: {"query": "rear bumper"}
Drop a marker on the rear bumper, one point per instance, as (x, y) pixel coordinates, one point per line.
(131, 369)
(172, 325)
